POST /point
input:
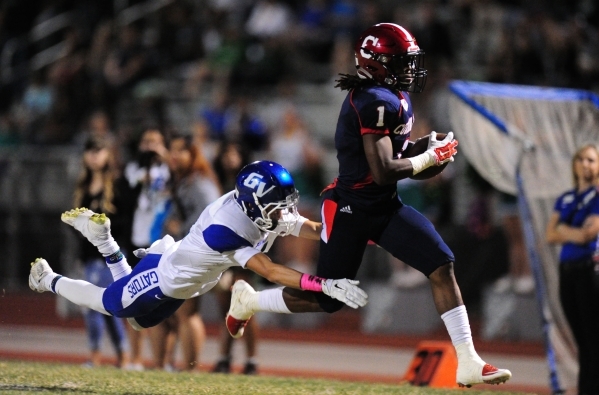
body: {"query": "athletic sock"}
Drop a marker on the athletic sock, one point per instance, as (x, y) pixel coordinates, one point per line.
(81, 293)
(458, 327)
(118, 265)
(49, 280)
(53, 282)
(272, 300)
(108, 247)
(457, 324)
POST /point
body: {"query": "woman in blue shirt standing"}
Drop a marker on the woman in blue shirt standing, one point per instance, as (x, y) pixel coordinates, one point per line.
(575, 225)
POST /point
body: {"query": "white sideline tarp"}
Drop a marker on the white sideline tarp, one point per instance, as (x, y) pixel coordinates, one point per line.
(496, 124)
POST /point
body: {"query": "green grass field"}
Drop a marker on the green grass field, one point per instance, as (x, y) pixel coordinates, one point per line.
(24, 377)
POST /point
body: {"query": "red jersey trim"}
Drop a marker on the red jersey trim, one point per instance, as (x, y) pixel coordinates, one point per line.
(351, 101)
(330, 186)
(367, 181)
(329, 208)
(359, 185)
(364, 131)
(401, 97)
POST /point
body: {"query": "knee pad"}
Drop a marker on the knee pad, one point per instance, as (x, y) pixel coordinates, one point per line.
(145, 321)
(329, 304)
(134, 324)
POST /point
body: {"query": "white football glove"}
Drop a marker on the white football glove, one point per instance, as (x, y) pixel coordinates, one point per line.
(346, 291)
(442, 151)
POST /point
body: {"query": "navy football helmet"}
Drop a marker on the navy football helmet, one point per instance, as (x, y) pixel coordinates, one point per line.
(266, 193)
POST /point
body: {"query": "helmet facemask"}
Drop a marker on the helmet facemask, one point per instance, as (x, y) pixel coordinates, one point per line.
(276, 217)
(404, 72)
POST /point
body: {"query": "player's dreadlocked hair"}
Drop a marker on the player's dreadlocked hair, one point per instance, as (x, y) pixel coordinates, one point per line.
(348, 82)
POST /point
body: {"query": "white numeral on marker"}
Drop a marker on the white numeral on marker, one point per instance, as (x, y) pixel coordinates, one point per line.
(381, 111)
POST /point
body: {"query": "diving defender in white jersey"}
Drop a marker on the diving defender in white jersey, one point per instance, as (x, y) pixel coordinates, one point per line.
(235, 230)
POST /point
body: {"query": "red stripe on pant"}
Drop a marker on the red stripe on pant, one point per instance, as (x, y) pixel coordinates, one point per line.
(328, 210)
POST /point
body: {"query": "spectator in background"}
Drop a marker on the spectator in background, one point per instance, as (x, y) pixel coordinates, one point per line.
(344, 17)
(479, 240)
(224, 51)
(312, 33)
(98, 125)
(246, 127)
(267, 53)
(99, 188)
(575, 225)
(268, 18)
(216, 116)
(293, 146)
(179, 34)
(98, 52)
(433, 34)
(528, 53)
(519, 278)
(9, 132)
(193, 187)
(70, 80)
(201, 138)
(35, 107)
(148, 175)
(231, 158)
(39, 95)
(126, 64)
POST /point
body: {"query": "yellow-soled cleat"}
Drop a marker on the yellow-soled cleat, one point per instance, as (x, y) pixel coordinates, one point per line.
(99, 219)
(95, 227)
(39, 270)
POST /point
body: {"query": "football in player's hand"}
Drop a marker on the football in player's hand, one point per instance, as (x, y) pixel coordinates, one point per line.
(418, 148)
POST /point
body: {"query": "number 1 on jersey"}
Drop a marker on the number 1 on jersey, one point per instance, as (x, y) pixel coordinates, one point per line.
(381, 110)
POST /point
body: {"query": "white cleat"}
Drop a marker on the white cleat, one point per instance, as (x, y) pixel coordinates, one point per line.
(474, 372)
(40, 269)
(95, 227)
(240, 312)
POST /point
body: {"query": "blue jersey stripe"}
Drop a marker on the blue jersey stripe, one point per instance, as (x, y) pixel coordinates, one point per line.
(221, 239)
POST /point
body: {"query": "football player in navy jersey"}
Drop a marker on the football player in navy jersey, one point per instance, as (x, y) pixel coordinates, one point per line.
(235, 230)
(372, 133)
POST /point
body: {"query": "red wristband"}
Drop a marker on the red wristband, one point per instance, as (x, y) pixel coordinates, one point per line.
(309, 282)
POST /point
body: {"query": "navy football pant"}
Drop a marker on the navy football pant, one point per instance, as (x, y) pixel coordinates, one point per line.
(403, 232)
